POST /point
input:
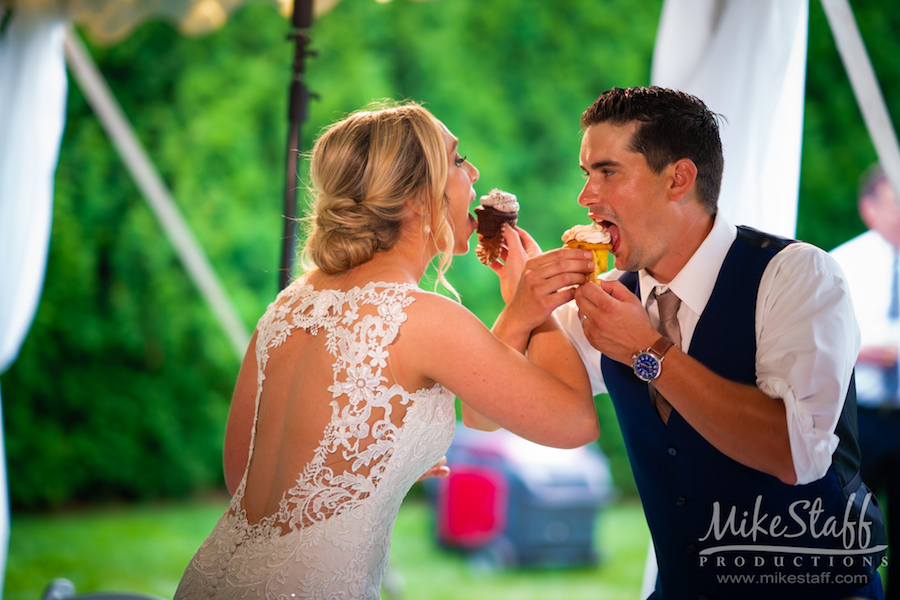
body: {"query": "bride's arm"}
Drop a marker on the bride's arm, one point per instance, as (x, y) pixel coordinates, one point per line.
(532, 284)
(240, 420)
(548, 347)
(547, 400)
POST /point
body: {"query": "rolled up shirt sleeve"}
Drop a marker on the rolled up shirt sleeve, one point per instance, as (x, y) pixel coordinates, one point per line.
(567, 316)
(807, 343)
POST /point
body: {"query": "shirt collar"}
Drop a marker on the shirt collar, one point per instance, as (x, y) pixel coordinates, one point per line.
(694, 283)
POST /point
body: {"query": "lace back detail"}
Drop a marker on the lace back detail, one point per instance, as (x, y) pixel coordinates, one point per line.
(367, 410)
(324, 508)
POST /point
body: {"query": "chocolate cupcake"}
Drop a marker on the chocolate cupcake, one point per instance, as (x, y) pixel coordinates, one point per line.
(496, 208)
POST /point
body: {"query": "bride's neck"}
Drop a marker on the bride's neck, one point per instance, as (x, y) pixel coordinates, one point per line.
(391, 266)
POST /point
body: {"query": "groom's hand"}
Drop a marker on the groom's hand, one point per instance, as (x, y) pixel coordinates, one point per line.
(614, 320)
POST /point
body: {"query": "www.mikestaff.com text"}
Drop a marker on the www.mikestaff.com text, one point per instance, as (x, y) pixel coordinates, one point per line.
(824, 577)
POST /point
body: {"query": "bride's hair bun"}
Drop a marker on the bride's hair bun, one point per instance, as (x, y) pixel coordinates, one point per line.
(367, 171)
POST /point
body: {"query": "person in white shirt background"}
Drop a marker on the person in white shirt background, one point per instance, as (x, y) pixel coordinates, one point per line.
(870, 263)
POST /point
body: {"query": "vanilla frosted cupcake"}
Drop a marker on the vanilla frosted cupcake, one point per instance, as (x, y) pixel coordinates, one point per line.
(594, 238)
(496, 208)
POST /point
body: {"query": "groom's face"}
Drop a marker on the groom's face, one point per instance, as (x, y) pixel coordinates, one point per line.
(623, 195)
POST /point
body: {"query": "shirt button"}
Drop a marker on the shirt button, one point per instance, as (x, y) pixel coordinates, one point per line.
(680, 501)
(673, 451)
(690, 549)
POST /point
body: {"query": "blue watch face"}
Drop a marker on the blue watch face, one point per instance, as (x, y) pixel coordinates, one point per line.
(646, 366)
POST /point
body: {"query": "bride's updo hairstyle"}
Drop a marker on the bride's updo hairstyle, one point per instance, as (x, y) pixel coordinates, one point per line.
(367, 171)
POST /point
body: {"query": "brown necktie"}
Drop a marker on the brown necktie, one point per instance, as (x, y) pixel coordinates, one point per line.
(668, 304)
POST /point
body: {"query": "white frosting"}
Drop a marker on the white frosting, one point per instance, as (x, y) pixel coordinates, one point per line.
(591, 234)
(502, 201)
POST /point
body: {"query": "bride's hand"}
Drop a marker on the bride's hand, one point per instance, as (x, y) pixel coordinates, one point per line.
(440, 469)
(518, 247)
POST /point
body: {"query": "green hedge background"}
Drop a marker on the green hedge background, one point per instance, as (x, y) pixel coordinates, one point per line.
(122, 388)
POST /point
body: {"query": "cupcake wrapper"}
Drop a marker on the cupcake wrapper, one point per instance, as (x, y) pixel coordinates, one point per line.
(488, 248)
(600, 256)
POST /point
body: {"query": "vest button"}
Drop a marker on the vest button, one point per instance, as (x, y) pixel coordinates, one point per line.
(680, 501)
(673, 451)
(690, 549)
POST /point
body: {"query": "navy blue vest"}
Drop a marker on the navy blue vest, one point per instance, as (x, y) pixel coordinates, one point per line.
(724, 530)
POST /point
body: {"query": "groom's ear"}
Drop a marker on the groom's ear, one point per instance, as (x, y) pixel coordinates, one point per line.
(682, 174)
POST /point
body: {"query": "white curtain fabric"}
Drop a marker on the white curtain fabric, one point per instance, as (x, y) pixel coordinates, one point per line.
(747, 62)
(32, 112)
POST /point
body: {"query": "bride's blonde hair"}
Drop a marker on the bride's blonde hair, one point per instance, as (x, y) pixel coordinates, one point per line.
(367, 171)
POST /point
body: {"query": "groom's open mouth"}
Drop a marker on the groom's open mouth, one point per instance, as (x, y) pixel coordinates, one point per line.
(610, 228)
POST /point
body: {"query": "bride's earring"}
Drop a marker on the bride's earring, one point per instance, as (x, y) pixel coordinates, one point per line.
(428, 229)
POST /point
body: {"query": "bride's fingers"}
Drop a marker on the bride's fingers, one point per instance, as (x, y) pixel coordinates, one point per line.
(550, 265)
(440, 469)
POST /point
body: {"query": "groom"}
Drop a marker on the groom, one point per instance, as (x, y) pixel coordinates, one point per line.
(728, 354)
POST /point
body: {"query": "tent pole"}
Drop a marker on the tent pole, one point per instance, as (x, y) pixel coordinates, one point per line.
(859, 69)
(297, 103)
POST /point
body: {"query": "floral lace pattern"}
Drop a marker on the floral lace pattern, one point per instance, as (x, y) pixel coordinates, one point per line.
(331, 534)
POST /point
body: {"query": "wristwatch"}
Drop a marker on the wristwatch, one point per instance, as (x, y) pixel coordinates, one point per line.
(647, 364)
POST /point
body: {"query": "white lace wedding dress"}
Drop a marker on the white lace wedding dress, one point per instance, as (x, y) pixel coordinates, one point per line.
(330, 536)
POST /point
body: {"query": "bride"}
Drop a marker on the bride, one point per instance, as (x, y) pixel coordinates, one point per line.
(346, 395)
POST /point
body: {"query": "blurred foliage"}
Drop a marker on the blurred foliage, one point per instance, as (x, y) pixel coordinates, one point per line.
(122, 387)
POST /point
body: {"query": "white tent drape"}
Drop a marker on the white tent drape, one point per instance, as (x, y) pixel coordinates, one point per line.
(32, 111)
(747, 62)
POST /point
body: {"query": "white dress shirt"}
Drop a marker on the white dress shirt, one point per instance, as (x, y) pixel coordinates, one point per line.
(868, 260)
(807, 338)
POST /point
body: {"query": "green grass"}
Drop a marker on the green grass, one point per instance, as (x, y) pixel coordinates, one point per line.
(429, 572)
(145, 548)
(135, 548)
